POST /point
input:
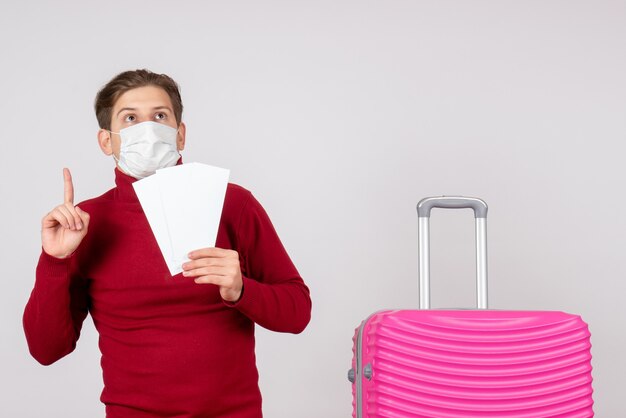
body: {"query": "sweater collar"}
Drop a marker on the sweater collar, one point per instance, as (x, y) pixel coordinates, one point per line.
(125, 191)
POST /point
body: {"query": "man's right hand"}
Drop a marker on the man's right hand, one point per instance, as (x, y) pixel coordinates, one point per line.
(65, 226)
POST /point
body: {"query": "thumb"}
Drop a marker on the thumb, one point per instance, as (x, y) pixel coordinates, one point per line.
(84, 216)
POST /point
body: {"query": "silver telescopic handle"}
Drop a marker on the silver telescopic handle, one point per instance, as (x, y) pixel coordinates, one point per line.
(423, 230)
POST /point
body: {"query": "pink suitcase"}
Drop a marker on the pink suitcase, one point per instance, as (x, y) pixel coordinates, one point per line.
(470, 363)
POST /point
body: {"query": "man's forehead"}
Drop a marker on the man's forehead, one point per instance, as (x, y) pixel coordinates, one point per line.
(148, 97)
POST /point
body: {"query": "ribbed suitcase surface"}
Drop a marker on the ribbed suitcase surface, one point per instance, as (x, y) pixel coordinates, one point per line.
(469, 363)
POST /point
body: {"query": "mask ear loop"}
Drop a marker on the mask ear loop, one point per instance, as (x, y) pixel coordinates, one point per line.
(116, 133)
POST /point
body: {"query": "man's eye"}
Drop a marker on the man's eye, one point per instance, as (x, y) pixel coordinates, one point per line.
(129, 118)
(160, 116)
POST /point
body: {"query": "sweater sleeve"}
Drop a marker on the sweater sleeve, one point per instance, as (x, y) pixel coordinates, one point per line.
(274, 294)
(56, 309)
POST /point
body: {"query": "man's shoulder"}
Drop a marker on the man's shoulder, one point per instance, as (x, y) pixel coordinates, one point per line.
(236, 196)
(96, 201)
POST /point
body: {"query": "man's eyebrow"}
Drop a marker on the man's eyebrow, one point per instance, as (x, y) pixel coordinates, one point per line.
(123, 109)
(162, 107)
(154, 108)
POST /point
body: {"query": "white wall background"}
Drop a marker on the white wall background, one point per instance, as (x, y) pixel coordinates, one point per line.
(339, 116)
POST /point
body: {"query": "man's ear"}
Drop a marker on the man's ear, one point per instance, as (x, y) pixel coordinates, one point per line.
(180, 137)
(104, 140)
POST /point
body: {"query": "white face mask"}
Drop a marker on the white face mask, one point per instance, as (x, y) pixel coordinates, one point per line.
(146, 147)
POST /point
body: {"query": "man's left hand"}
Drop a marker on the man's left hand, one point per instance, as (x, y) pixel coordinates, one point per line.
(219, 267)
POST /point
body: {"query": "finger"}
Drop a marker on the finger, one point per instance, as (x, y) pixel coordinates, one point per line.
(210, 279)
(202, 253)
(49, 221)
(68, 186)
(210, 252)
(60, 217)
(84, 216)
(69, 219)
(75, 216)
(205, 271)
(203, 262)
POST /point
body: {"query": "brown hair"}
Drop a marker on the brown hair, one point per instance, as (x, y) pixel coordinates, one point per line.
(128, 80)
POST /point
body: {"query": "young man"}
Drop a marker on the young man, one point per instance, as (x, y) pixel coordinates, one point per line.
(179, 346)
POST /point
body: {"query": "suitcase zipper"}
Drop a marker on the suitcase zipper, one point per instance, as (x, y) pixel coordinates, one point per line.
(359, 372)
(357, 377)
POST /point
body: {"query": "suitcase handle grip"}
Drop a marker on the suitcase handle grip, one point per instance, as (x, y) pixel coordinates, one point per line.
(452, 202)
(423, 231)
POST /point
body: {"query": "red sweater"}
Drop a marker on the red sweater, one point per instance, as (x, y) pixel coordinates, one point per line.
(170, 347)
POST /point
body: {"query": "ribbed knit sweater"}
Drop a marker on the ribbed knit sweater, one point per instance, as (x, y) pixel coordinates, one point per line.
(170, 347)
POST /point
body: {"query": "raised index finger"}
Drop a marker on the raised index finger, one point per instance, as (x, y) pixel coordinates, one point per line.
(68, 186)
